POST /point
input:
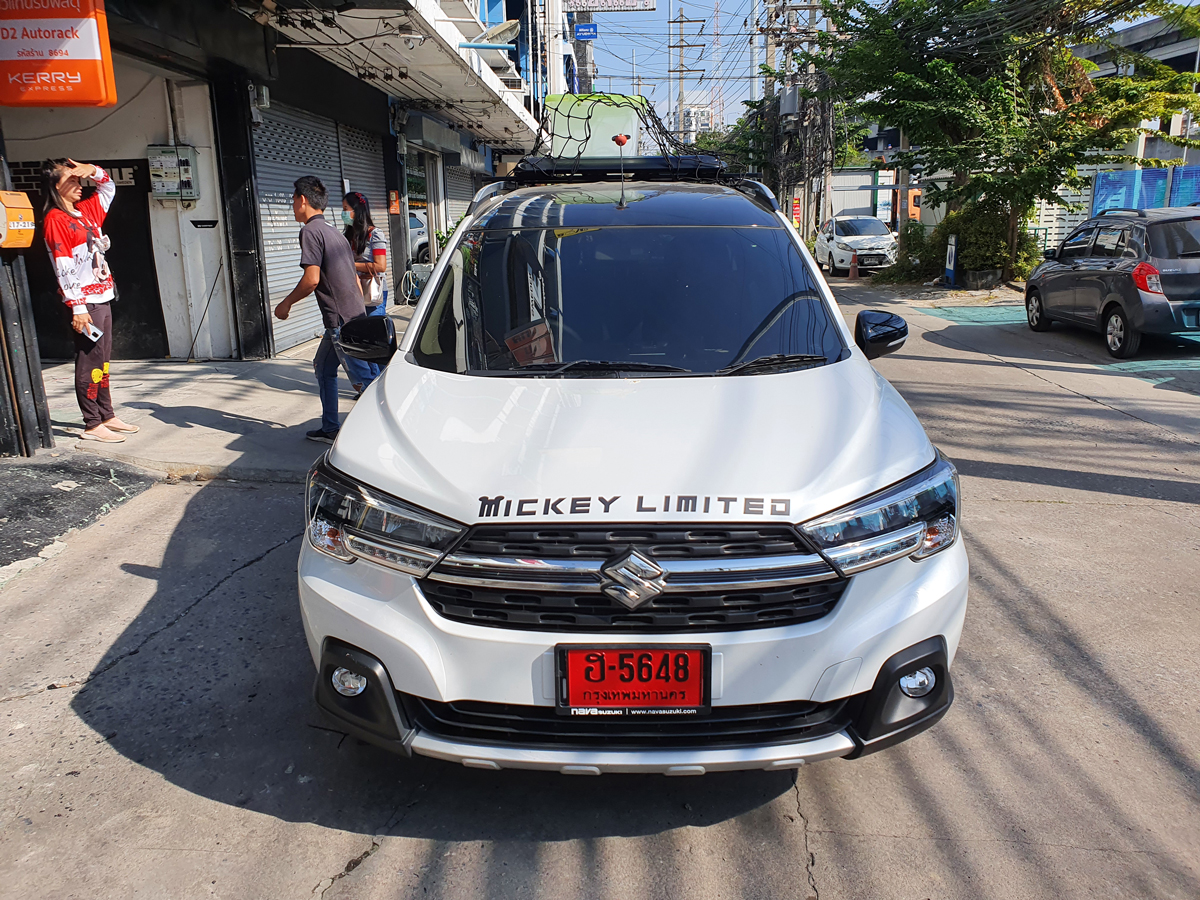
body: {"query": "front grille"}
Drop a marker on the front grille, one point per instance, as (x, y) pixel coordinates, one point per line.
(594, 612)
(608, 541)
(540, 726)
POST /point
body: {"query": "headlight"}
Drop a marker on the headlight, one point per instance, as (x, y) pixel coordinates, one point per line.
(348, 520)
(917, 517)
(842, 246)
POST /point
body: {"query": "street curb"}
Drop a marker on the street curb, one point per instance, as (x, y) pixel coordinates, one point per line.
(195, 471)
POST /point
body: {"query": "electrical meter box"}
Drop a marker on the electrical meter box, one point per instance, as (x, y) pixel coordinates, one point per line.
(173, 172)
(17, 224)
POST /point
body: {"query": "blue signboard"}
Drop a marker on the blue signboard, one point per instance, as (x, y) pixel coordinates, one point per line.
(1130, 189)
(951, 258)
(586, 32)
(1185, 185)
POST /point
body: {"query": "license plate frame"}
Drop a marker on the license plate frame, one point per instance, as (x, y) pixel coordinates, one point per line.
(563, 692)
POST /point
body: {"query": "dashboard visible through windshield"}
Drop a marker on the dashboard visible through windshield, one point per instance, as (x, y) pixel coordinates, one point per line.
(646, 299)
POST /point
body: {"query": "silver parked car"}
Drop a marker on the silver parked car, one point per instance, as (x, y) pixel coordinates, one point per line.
(418, 236)
(1124, 273)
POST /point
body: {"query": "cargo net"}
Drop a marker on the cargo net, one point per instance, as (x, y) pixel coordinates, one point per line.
(567, 128)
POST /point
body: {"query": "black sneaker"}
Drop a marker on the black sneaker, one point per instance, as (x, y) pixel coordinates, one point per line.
(324, 437)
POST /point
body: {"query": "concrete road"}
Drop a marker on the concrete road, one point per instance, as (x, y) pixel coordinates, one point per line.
(157, 738)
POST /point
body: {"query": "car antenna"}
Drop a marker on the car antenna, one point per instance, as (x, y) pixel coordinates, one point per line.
(620, 140)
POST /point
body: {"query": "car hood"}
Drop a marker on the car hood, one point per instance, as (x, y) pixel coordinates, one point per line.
(778, 447)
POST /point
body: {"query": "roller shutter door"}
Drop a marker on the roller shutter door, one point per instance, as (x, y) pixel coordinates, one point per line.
(362, 167)
(288, 144)
(460, 189)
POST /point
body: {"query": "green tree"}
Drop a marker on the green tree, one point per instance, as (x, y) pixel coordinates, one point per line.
(990, 96)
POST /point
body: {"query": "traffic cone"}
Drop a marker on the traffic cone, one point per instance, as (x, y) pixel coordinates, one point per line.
(854, 264)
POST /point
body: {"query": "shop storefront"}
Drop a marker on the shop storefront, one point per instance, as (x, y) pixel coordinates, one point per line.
(168, 256)
(289, 143)
(318, 120)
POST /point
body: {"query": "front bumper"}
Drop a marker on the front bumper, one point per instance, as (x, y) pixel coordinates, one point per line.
(842, 259)
(882, 613)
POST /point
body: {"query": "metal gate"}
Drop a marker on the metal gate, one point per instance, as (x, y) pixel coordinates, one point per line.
(460, 189)
(288, 144)
(362, 169)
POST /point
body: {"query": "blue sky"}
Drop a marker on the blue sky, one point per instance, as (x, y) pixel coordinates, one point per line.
(621, 35)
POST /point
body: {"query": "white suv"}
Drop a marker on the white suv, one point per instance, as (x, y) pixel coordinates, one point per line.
(630, 497)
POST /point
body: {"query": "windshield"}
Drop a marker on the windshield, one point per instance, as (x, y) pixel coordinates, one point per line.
(860, 227)
(694, 298)
(1175, 240)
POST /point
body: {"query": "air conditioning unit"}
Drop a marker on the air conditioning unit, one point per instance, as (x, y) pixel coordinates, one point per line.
(513, 82)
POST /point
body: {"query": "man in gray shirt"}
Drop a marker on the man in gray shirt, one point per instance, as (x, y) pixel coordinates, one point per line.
(328, 263)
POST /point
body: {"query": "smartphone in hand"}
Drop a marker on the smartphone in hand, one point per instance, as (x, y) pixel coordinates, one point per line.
(93, 332)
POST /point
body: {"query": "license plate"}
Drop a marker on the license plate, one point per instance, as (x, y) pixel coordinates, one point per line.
(871, 260)
(622, 680)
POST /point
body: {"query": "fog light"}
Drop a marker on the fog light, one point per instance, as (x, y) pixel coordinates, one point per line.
(914, 684)
(348, 684)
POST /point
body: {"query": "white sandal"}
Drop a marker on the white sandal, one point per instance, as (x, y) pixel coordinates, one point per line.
(109, 437)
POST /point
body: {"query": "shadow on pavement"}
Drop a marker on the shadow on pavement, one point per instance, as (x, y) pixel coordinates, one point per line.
(211, 687)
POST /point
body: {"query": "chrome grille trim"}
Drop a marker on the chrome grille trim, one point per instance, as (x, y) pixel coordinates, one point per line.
(583, 575)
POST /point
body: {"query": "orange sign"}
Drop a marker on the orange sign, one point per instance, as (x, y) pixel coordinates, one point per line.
(55, 53)
(394, 203)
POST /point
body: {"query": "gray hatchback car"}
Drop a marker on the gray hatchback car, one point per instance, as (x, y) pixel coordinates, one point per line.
(1124, 273)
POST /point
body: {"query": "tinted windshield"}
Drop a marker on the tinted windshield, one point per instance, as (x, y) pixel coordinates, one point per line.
(1175, 240)
(856, 227)
(696, 298)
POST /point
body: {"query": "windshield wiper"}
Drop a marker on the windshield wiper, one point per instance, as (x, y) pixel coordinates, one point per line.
(774, 361)
(597, 365)
(1187, 254)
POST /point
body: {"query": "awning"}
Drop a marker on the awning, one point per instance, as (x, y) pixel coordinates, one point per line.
(410, 49)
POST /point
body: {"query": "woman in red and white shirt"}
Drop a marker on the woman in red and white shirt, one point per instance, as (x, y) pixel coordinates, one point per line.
(77, 244)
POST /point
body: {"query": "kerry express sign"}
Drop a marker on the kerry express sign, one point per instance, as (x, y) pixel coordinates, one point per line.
(55, 53)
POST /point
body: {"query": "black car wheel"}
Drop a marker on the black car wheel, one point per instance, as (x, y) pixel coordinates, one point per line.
(1121, 338)
(1035, 313)
(833, 269)
(423, 254)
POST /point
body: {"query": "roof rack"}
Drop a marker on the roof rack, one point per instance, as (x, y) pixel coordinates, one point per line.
(758, 191)
(542, 169)
(1124, 211)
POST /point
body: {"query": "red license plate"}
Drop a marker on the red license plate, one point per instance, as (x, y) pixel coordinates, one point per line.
(624, 680)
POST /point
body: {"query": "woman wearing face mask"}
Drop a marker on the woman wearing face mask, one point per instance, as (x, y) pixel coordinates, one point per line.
(370, 260)
(77, 245)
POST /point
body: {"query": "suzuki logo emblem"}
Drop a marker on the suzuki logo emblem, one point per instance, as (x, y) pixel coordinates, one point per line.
(633, 579)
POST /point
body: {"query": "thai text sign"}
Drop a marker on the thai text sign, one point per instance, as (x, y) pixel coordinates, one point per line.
(55, 53)
(607, 6)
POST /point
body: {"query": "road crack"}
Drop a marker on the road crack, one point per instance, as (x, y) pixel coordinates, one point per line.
(810, 859)
(376, 841)
(156, 632)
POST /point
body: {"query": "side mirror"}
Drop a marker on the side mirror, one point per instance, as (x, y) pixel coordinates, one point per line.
(372, 338)
(877, 332)
(1050, 254)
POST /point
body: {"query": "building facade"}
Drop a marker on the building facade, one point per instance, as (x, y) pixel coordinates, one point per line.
(383, 97)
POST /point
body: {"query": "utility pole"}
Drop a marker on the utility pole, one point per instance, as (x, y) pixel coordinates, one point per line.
(682, 70)
(754, 53)
(583, 55)
(717, 92)
(772, 15)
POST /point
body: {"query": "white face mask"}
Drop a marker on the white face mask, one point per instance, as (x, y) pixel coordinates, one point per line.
(347, 217)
